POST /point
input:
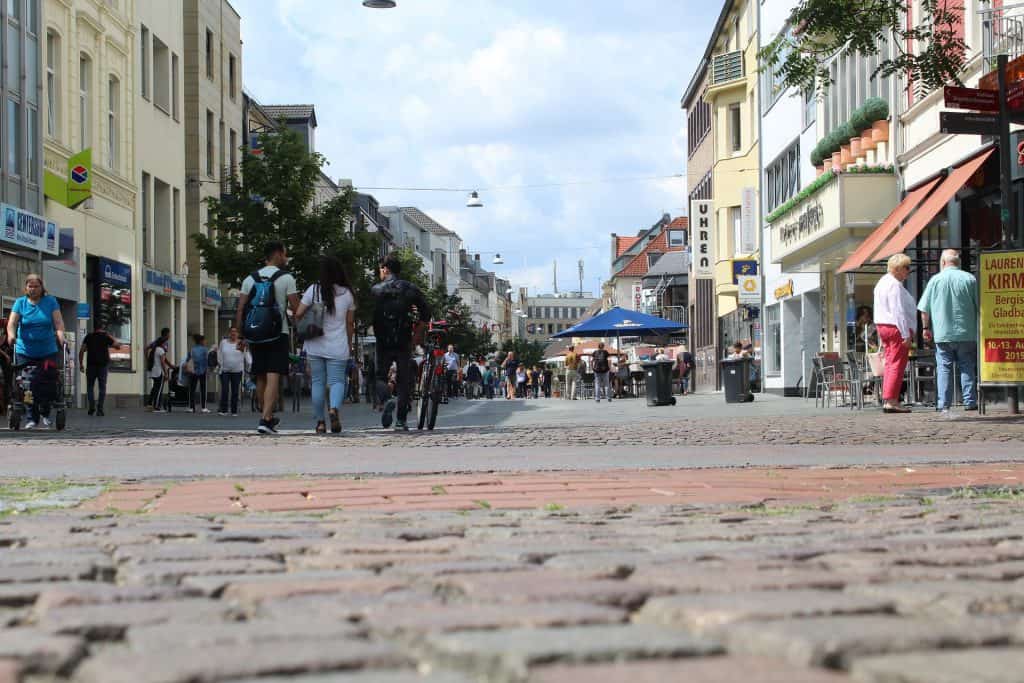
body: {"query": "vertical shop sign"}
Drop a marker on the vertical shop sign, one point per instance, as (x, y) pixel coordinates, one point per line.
(748, 231)
(1001, 340)
(702, 221)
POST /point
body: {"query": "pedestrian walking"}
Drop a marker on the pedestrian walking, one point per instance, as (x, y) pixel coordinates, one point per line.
(572, 362)
(396, 300)
(94, 361)
(474, 379)
(546, 376)
(158, 367)
(451, 371)
(949, 317)
(266, 296)
(328, 354)
(196, 366)
(896, 321)
(687, 364)
(36, 327)
(231, 357)
(602, 370)
(510, 365)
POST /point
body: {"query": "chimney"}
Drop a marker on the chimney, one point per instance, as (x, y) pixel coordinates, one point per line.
(476, 257)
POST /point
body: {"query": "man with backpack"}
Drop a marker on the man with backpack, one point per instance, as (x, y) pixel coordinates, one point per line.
(395, 300)
(602, 370)
(266, 296)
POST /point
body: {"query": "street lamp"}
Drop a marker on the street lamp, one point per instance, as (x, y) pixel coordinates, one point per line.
(379, 4)
(474, 201)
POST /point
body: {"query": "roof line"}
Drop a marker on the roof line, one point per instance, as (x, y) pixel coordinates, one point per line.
(694, 80)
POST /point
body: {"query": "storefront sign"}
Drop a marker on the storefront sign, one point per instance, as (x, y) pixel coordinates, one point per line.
(784, 290)
(28, 230)
(748, 231)
(75, 187)
(163, 283)
(113, 302)
(741, 268)
(83, 311)
(638, 297)
(806, 224)
(702, 222)
(211, 296)
(749, 291)
(1001, 344)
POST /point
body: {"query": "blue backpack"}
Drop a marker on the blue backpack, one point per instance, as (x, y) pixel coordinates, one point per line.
(263, 317)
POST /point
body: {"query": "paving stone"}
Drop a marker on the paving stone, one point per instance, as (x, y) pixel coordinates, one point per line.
(945, 598)
(368, 677)
(216, 663)
(465, 617)
(52, 556)
(155, 573)
(835, 641)
(253, 633)
(70, 571)
(720, 577)
(451, 566)
(508, 654)
(217, 584)
(40, 652)
(339, 606)
(183, 551)
(982, 665)
(110, 621)
(238, 533)
(371, 561)
(532, 586)
(91, 593)
(705, 612)
(10, 671)
(698, 669)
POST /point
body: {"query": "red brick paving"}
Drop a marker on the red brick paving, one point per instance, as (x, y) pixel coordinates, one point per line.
(533, 490)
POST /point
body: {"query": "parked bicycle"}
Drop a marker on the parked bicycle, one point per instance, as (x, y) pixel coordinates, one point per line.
(432, 375)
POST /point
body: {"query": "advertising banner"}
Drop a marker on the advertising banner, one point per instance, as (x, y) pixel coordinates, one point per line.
(1001, 341)
(28, 230)
(702, 226)
(748, 226)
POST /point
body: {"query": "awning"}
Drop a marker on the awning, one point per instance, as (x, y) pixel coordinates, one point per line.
(933, 205)
(876, 239)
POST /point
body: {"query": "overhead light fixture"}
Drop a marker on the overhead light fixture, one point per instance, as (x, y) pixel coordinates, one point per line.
(498, 261)
(379, 4)
(474, 200)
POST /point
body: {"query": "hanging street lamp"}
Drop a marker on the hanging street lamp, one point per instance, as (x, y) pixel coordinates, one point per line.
(474, 200)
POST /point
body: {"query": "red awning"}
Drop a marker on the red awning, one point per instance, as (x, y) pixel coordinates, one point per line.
(876, 239)
(933, 205)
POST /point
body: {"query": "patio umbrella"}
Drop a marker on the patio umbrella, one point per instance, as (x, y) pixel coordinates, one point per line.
(618, 321)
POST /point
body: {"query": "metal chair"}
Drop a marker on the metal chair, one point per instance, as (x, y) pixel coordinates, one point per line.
(832, 382)
(857, 380)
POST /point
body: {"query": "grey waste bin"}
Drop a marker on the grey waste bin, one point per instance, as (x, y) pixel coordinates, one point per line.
(658, 378)
(736, 380)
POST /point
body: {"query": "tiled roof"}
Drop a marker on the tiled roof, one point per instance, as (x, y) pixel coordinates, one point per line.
(289, 112)
(425, 221)
(680, 223)
(638, 266)
(622, 244)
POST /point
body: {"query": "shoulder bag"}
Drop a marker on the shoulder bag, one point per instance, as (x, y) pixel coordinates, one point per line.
(311, 325)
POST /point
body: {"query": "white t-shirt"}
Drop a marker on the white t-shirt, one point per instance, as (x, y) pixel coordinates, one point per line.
(334, 342)
(157, 371)
(283, 288)
(229, 357)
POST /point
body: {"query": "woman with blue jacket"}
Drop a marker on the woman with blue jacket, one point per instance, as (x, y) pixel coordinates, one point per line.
(198, 355)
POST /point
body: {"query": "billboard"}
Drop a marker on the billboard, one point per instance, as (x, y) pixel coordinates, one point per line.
(1001, 318)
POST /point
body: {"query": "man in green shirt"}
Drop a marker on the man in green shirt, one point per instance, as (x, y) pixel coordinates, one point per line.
(949, 313)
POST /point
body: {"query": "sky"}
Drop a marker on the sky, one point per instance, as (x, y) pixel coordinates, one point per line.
(495, 94)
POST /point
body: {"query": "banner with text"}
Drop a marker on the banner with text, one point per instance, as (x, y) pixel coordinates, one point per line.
(28, 230)
(1001, 344)
(702, 227)
(748, 226)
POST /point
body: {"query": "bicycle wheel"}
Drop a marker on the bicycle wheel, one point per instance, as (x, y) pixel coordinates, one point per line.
(432, 417)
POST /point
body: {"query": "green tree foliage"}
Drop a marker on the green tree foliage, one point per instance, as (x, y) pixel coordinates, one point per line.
(272, 199)
(528, 352)
(469, 339)
(824, 28)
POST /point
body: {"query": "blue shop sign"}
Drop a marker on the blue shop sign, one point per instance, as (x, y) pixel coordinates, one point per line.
(740, 268)
(115, 273)
(211, 296)
(83, 312)
(164, 283)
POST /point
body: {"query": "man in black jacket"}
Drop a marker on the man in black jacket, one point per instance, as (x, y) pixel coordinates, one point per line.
(396, 300)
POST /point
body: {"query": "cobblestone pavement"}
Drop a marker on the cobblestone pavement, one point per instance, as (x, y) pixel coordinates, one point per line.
(923, 589)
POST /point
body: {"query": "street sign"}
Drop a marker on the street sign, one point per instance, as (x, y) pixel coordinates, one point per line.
(971, 98)
(1015, 96)
(970, 124)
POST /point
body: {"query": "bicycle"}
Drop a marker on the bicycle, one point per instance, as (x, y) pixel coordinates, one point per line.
(432, 375)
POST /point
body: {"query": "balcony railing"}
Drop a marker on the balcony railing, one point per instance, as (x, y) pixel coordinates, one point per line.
(1002, 30)
(725, 68)
(676, 314)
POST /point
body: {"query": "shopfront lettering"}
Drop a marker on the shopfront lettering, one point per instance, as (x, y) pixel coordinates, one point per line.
(808, 223)
(1011, 281)
(702, 215)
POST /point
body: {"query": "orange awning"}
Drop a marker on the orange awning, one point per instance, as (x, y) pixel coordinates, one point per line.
(876, 239)
(933, 205)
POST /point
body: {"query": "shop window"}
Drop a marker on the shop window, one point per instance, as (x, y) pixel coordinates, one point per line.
(773, 332)
(112, 294)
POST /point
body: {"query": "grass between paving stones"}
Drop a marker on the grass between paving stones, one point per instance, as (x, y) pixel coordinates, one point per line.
(1011, 493)
(27, 495)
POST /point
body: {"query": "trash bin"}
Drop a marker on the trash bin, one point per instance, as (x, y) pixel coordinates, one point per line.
(736, 380)
(658, 378)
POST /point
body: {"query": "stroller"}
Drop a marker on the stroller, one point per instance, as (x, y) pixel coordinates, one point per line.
(42, 383)
(177, 395)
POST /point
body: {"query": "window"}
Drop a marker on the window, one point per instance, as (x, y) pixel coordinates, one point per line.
(810, 107)
(736, 236)
(13, 57)
(175, 227)
(232, 77)
(147, 251)
(698, 125)
(221, 146)
(209, 143)
(33, 142)
(113, 116)
(233, 139)
(144, 53)
(652, 258)
(735, 129)
(13, 137)
(209, 54)
(14, 9)
(771, 81)
(84, 102)
(773, 326)
(52, 84)
(161, 75)
(703, 188)
(676, 238)
(174, 88)
(782, 177)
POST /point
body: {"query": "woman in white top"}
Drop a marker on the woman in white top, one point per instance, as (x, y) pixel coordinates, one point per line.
(328, 354)
(896, 322)
(231, 362)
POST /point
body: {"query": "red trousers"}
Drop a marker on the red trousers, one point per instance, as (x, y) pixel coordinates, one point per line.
(895, 361)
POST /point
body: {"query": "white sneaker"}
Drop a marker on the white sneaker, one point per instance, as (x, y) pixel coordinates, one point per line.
(206, 410)
(222, 414)
(949, 414)
(30, 425)
(46, 423)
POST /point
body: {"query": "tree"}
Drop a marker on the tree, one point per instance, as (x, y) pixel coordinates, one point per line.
(527, 352)
(469, 340)
(929, 48)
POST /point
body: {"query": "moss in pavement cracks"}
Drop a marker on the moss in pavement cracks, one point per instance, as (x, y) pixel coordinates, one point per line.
(21, 490)
(1010, 493)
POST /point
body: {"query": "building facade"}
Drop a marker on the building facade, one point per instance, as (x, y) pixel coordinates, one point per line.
(90, 180)
(213, 111)
(549, 314)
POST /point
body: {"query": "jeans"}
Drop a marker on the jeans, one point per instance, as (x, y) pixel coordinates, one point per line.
(895, 362)
(197, 383)
(401, 359)
(330, 374)
(38, 407)
(229, 385)
(601, 383)
(965, 355)
(571, 380)
(155, 391)
(99, 376)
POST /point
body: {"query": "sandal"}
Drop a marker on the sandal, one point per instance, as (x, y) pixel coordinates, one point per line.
(335, 421)
(321, 428)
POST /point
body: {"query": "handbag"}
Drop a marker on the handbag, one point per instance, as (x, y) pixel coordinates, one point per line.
(876, 361)
(311, 325)
(189, 367)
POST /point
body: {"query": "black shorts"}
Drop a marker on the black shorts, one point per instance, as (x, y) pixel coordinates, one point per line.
(271, 357)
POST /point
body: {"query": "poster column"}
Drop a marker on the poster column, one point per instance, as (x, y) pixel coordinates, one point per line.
(1001, 320)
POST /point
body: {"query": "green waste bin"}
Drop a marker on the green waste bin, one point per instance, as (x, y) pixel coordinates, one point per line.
(658, 379)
